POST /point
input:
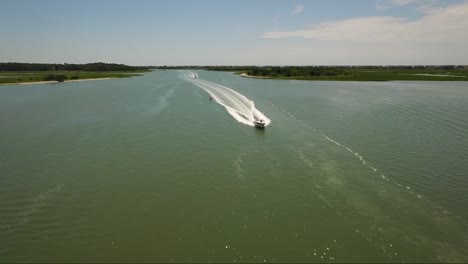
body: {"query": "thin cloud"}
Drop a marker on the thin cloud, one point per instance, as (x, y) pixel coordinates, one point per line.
(299, 8)
(447, 25)
(424, 6)
(435, 38)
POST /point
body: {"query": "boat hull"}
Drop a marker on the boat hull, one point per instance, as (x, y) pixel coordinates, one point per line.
(259, 124)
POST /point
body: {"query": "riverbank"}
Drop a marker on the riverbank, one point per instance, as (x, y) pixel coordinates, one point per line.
(27, 77)
(44, 82)
(364, 76)
(350, 73)
(245, 75)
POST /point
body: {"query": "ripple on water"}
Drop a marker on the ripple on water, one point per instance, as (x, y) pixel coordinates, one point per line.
(377, 234)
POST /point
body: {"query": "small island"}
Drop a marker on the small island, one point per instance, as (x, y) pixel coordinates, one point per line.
(30, 73)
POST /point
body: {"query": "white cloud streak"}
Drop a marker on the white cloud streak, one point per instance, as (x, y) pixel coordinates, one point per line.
(424, 6)
(435, 38)
(447, 25)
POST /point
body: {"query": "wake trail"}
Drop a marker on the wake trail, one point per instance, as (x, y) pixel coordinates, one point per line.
(236, 104)
(348, 149)
(162, 102)
(365, 163)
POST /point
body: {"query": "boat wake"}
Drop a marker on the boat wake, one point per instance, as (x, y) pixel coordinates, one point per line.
(236, 104)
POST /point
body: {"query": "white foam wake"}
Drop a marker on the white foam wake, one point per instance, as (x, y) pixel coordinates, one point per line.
(236, 104)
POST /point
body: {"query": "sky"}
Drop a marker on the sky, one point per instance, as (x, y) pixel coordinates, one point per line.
(240, 32)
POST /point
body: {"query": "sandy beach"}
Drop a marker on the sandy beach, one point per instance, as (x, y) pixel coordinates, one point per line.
(245, 75)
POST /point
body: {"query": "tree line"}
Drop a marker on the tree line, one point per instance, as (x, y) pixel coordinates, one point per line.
(312, 71)
(98, 66)
(298, 71)
(271, 71)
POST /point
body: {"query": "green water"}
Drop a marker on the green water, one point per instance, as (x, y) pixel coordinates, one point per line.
(148, 169)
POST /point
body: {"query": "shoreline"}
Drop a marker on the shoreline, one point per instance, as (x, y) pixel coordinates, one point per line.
(45, 82)
(245, 75)
(431, 78)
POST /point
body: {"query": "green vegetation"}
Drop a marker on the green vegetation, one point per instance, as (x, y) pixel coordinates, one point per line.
(369, 73)
(20, 77)
(56, 77)
(98, 66)
(292, 72)
(13, 72)
(362, 73)
(347, 73)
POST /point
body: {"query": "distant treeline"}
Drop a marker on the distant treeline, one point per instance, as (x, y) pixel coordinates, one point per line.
(251, 67)
(297, 71)
(273, 71)
(98, 66)
(310, 71)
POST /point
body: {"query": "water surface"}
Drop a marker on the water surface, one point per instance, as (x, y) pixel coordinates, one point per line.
(149, 169)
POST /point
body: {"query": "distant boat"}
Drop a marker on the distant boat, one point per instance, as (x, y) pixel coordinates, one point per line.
(193, 75)
(259, 123)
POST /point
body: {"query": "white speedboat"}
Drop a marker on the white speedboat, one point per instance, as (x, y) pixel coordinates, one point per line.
(259, 123)
(193, 75)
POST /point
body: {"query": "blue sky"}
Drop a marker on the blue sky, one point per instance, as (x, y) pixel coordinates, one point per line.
(221, 32)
